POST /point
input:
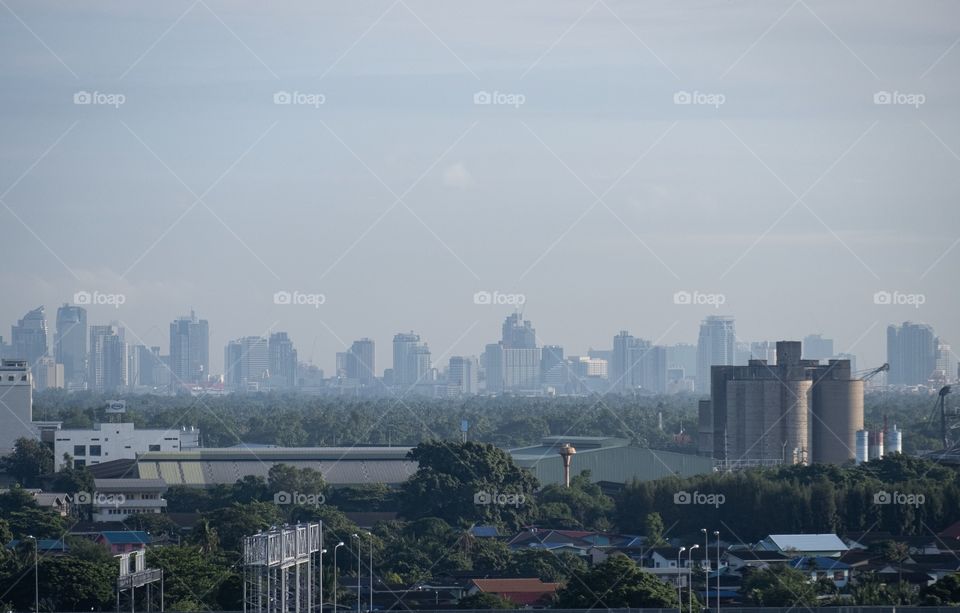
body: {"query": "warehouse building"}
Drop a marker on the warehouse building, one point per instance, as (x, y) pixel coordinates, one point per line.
(612, 462)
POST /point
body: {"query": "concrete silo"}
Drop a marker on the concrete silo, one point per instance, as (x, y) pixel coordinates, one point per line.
(837, 416)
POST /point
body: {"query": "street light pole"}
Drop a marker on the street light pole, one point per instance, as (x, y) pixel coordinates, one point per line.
(322, 551)
(716, 535)
(339, 545)
(679, 588)
(370, 570)
(357, 536)
(690, 580)
(706, 573)
(36, 576)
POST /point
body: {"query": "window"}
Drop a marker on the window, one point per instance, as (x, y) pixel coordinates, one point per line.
(79, 450)
(838, 575)
(79, 463)
(154, 447)
(95, 450)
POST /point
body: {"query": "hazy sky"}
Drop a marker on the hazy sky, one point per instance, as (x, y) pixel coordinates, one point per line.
(598, 198)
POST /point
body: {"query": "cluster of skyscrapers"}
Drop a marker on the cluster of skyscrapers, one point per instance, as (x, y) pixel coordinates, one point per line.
(108, 358)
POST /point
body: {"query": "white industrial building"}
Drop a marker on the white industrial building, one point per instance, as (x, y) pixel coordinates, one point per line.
(117, 499)
(16, 402)
(118, 441)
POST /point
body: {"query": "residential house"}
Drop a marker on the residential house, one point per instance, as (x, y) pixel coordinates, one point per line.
(811, 545)
(522, 592)
(818, 568)
(123, 541)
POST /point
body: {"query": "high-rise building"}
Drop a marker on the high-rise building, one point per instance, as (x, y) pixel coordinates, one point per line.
(145, 366)
(189, 350)
(462, 374)
(518, 333)
(815, 347)
(683, 355)
(70, 342)
(637, 364)
(553, 368)
(283, 360)
(764, 350)
(360, 361)
(411, 360)
(246, 364)
(107, 364)
(29, 336)
(715, 347)
(16, 404)
(911, 353)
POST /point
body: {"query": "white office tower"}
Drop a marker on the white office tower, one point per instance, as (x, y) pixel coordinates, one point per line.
(16, 402)
(862, 452)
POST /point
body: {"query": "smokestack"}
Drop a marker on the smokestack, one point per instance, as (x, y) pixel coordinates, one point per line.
(567, 452)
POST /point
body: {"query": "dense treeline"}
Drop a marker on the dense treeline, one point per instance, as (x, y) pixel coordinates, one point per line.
(291, 419)
(899, 494)
(303, 420)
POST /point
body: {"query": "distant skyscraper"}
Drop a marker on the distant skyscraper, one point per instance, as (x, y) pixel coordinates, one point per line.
(283, 359)
(107, 365)
(246, 363)
(764, 350)
(462, 373)
(553, 368)
(683, 355)
(715, 347)
(518, 333)
(70, 342)
(815, 347)
(145, 366)
(189, 350)
(912, 354)
(411, 360)
(29, 337)
(360, 361)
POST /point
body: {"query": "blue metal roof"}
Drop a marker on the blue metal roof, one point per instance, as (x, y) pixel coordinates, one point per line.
(126, 537)
(819, 563)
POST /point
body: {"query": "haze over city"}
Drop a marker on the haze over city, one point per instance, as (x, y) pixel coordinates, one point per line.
(397, 197)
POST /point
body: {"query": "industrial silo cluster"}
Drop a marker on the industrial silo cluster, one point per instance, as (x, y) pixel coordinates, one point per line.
(794, 411)
(875, 444)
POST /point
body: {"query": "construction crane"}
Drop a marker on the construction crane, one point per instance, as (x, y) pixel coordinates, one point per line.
(866, 375)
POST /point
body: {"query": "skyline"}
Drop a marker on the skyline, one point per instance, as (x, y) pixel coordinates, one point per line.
(717, 334)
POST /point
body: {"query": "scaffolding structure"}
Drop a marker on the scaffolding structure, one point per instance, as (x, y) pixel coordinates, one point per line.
(133, 574)
(278, 573)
